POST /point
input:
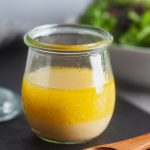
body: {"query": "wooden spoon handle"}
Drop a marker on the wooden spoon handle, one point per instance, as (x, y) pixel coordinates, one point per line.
(137, 143)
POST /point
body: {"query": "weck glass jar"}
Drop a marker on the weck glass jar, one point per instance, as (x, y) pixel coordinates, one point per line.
(68, 87)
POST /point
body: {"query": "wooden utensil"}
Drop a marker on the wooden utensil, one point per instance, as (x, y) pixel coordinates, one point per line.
(137, 143)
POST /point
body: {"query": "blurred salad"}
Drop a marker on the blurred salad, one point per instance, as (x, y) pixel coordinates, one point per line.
(127, 20)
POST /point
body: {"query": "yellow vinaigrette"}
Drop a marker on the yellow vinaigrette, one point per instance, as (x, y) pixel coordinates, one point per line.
(66, 96)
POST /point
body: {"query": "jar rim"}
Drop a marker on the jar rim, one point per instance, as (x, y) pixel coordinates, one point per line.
(29, 39)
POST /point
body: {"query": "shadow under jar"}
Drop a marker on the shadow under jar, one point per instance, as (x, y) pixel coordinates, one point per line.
(68, 87)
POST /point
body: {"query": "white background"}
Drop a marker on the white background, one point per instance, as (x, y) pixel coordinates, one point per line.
(37, 12)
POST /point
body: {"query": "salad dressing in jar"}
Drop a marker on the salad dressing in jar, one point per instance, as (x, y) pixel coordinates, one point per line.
(68, 87)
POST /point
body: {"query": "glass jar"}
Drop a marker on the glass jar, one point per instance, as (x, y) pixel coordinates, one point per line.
(68, 87)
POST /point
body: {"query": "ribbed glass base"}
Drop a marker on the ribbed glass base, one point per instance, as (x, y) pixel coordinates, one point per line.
(10, 105)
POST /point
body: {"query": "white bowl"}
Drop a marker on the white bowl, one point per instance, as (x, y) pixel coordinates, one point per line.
(131, 64)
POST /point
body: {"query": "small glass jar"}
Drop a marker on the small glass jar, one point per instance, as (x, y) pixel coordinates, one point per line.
(68, 87)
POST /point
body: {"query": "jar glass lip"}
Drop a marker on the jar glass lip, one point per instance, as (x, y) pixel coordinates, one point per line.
(34, 38)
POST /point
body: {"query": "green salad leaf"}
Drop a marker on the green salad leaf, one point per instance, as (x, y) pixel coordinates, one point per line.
(145, 20)
(129, 38)
(133, 16)
(144, 37)
(122, 2)
(127, 20)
